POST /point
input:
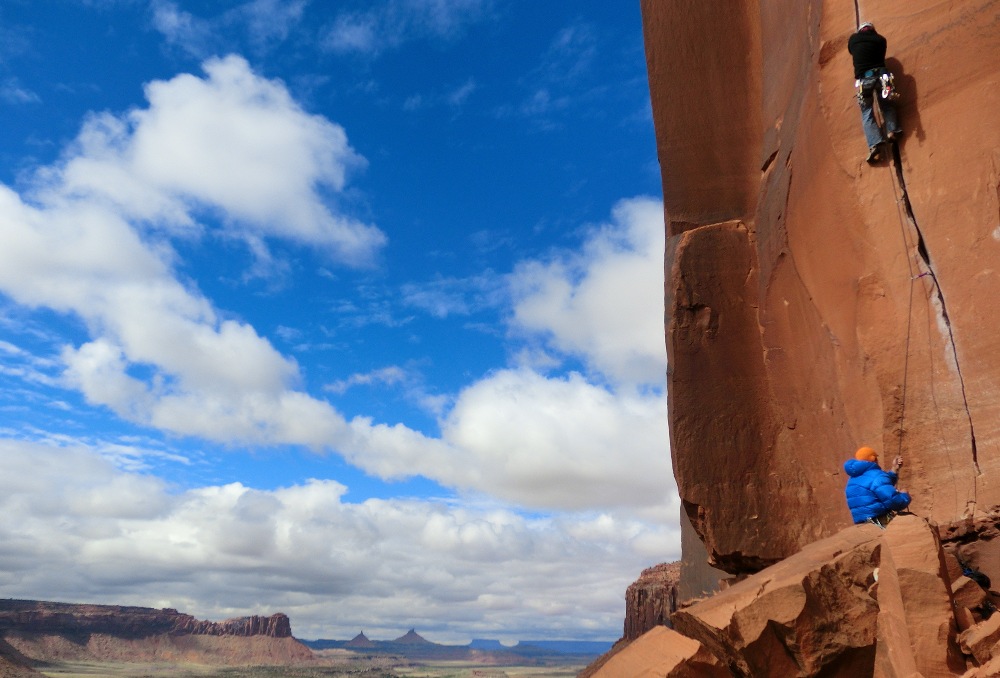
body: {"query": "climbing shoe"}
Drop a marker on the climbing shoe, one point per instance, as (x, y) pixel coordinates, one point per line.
(873, 155)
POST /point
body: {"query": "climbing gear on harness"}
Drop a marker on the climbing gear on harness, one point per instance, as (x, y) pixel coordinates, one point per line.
(878, 80)
(883, 519)
(889, 92)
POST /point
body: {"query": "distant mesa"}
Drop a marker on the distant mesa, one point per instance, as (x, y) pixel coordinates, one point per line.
(412, 638)
(482, 650)
(360, 640)
(130, 622)
(47, 631)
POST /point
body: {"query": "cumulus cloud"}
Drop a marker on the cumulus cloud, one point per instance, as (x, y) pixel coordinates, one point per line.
(560, 442)
(603, 303)
(232, 141)
(534, 437)
(92, 240)
(160, 354)
(393, 22)
(76, 528)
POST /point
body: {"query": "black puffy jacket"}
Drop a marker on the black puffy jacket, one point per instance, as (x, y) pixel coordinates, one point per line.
(868, 50)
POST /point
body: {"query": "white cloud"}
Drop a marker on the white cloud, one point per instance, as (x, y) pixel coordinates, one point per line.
(265, 23)
(461, 94)
(159, 353)
(563, 79)
(232, 141)
(604, 303)
(393, 22)
(558, 442)
(11, 92)
(181, 28)
(21, 364)
(453, 570)
(551, 443)
(353, 33)
(445, 296)
(268, 21)
(386, 375)
(571, 54)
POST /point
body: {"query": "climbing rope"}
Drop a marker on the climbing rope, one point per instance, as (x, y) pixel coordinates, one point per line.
(898, 196)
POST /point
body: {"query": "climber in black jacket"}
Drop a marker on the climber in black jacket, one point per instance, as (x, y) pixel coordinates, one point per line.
(867, 48)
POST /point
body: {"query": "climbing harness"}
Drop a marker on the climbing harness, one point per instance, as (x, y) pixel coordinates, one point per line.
(883, 519)
(877, 81)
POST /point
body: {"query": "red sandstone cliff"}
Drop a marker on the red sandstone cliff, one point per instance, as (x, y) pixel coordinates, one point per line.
(13, 664)
(33, 616)
(815, 304)
(651, 599)
(53, 631)
(791, 330)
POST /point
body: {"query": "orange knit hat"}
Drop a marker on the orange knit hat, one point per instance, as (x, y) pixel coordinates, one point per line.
(866, 454)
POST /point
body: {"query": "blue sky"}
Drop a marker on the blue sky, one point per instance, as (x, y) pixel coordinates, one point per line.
(349, 310)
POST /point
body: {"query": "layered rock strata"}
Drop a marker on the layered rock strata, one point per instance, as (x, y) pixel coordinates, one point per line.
(46, 631)
(33, 616)
(13, 664)
(651, 599)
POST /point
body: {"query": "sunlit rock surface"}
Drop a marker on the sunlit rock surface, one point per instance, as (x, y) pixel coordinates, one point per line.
(791, 330)
(863, 602)
(814, 304)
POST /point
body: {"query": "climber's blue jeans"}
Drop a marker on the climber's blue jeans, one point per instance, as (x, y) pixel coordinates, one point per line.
(873, 135)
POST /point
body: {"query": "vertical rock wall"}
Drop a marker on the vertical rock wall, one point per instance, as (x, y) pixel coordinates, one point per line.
(805, 289)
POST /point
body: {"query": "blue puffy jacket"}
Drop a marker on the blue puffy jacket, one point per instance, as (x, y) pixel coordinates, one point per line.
(871, 492)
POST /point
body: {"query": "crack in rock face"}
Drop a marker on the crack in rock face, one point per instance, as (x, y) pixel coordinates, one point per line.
(904, 200)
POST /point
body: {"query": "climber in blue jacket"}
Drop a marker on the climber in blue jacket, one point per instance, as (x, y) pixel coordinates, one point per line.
(871, 492)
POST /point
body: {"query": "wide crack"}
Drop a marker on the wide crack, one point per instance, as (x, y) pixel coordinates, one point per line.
(925, 256)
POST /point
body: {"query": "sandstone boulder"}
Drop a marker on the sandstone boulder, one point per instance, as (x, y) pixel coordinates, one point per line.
(662, 653)
(807, 614)
(967, 593)
(864, 602)
(917, 627)
(981, 639)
